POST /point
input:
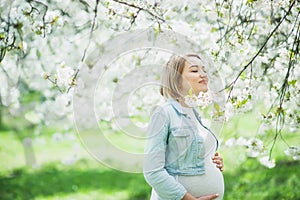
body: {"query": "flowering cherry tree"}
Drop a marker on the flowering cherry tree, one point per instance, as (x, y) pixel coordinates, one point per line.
(254, 45)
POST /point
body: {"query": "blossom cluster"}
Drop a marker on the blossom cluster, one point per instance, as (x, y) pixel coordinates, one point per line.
(203, 99)
(294, 152)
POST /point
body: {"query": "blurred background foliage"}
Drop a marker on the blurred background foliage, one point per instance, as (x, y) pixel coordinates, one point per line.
(254, 45)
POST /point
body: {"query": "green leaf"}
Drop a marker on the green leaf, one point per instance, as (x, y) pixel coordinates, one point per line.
(157, 30)
(38, 54)
(292, 82)
(137, 59)
(38, 32)
(241, 103)
(190, 91)
(220, 14)
(240, 38)
(20, 45)
(243, 76)
(217, 107)
(249, 2)
(18, 25)
(292, 54)
(2, 36)
(115, 80)
(213, 29)
(54, 20)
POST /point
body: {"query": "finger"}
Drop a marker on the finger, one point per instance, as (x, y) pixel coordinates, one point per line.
(208, 197)
(213, 196)
(215, 158)
(220, 166)
(217, 162)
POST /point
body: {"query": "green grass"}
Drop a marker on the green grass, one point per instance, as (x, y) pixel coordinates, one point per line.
(84, 180)
(89, 180)
(253, 181)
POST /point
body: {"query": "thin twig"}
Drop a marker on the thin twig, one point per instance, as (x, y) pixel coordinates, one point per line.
(55, 84)
(140, 8)
(294, 52)
(231, 85)
(74, 78)
(283, 89)
(92, 30)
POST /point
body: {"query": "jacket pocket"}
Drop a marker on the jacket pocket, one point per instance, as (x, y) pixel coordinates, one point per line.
(182, 139)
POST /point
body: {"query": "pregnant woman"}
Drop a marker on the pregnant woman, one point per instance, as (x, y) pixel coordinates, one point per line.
(180, 153)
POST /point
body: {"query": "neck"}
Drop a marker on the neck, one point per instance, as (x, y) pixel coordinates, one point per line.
(182, 103)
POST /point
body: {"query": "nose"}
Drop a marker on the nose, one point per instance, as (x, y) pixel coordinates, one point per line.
(202, 74)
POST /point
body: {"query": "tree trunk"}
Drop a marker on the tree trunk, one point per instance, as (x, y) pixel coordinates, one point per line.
(29, 153)
(1, 111)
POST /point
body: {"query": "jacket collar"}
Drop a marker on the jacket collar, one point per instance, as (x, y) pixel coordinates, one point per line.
(178, 107)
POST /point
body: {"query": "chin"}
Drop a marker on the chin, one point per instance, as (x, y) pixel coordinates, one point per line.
(202, 90)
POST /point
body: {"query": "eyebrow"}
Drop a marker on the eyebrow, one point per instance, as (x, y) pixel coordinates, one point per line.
(197, 66)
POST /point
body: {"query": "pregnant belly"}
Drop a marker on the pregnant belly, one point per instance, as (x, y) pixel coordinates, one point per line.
(211, 182)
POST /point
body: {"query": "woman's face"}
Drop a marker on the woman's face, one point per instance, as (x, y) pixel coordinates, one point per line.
(194, 76)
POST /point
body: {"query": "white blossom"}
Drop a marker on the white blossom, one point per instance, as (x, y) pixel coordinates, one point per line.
(202, 100)
(254, 147)
(64, 75)
(267, 162)
(241, 141)
(62, 104)
(230, 142)
(294, 152)
(34, 117)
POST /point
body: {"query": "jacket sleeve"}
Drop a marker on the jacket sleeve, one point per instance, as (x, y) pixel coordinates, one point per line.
(155, 173)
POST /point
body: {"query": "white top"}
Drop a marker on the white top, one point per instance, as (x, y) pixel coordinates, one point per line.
(209, 140)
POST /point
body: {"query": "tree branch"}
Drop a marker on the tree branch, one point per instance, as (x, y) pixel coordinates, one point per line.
(140, 8)
(92, 29)
(280, 120)
(73, 80)
(231, 85)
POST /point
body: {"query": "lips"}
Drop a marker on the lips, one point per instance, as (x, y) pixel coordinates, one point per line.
(203, 81)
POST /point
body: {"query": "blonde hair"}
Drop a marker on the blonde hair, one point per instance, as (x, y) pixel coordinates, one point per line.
(171, 76)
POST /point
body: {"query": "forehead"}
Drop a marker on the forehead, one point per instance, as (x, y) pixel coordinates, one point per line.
(194, 61)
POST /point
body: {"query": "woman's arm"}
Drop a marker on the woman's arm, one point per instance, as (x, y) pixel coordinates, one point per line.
(154, 167)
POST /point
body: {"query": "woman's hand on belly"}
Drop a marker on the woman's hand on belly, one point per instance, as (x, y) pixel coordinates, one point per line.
(188, 196)
(208, 197)
(218, 160)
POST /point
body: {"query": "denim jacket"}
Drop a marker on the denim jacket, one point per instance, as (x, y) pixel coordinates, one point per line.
(173, 147)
